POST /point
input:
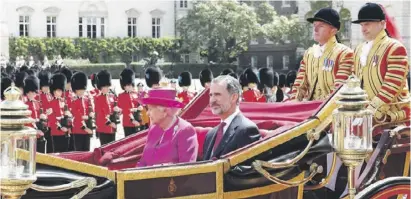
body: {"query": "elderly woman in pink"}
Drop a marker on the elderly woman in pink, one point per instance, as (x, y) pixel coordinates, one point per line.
(170, 138)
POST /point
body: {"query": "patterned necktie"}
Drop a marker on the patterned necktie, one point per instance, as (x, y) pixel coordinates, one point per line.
(219, 136)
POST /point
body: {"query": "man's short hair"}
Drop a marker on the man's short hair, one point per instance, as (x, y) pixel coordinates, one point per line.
(233, 86)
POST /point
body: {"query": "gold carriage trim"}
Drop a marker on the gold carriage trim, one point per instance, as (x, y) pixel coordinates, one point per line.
(173, 171)
(70, 165)
(263, 190)
(322, 117)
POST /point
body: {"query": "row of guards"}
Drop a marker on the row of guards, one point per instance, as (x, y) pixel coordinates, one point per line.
(67, 114)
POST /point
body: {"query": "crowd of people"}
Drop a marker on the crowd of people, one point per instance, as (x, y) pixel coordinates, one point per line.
(67, 114)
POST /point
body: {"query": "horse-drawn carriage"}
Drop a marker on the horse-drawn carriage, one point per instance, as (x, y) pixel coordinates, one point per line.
(294, 159)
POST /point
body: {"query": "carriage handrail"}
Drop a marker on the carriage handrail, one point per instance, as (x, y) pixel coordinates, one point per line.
(314, 169)
(325, 180)
(89, 182)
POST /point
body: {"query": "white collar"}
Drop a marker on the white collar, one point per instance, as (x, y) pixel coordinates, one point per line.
(230, 119)
(366, 48)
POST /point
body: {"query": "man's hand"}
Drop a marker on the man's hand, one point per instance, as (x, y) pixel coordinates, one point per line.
(136, 123)
(89, 131)
(84, 117)
(113, 125)
(92, 115)
(64, 129)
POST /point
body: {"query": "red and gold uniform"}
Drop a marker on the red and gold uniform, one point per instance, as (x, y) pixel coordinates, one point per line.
(94, 92)
(322, 70)
(383, 75)
(251, 95)
(79, 108)
(104, 104)
(59, 139)
(126, 102)
(44, 99)
(185, 96)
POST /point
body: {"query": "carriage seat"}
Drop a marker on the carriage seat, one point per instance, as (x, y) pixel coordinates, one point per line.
(114, 161)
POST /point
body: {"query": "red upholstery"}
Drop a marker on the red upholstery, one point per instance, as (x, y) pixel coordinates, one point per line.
(201, 135)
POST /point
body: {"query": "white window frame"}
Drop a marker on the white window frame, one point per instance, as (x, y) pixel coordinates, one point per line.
(81, 27)
(53, 26)
(183, 4)
(185, 58)
(132, 25)
(156, 27)
(286, 4)
(99, 31)
(254, 61)
(26, 25)
(286, 62)
(270, 61)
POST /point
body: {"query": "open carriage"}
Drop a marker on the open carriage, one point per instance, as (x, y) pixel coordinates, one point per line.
(290, 161)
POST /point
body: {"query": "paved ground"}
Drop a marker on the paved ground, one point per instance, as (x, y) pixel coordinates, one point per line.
(116, 85)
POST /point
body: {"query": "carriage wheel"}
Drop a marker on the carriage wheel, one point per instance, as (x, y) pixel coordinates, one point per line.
(387, 188)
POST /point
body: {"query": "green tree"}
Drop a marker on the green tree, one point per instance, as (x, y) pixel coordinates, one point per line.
(220, 30)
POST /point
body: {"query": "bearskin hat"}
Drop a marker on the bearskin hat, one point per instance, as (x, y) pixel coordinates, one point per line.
(5, 83)
(19, 79)
(31, 83)
(266, 76)
(58, 81)
(103, 79)
(243, 81)
(68, 73)
(250, 74)
(184, 79)
(127, 77)
(152, 76)
(79, 81)
(282, 80)
(291, 78)
(226, 71)
(44, 77)
(205, 75)
(23, 68)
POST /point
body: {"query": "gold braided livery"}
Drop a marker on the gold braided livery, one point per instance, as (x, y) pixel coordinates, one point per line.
(384, 76)
(329, 70)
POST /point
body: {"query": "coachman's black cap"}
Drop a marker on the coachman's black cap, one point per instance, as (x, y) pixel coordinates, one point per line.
(327, 15)
(370, 12)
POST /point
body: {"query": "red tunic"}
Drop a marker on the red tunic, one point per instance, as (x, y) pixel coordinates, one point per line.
(104, 105)
(185, 97)
(127, 101)
(54, 118)
(44, 99)
(69, 98)
(251, 95)
(34, 107)
(79, 108)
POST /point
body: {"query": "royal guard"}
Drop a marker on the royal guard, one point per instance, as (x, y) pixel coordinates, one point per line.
(19, 81)
(105, 109)
(31, 87)
(382, 64)
(44, 97)
(325, 65)
(83, 114)
(243, 82)
(58, 131)
(252, 94)
(184, 81)
(206, 76)
(266, 76)
(289, 82)
(128, 103)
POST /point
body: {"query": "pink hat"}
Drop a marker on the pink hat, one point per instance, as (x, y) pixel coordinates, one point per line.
(162, 97)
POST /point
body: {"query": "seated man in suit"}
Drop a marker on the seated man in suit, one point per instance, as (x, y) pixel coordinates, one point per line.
(235, 130)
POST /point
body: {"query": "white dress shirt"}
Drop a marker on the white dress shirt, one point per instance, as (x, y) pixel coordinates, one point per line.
(229, 119)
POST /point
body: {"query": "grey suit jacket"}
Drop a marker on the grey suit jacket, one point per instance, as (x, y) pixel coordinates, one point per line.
(241, 132)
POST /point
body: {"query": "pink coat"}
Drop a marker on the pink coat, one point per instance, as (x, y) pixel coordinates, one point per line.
(178, 144)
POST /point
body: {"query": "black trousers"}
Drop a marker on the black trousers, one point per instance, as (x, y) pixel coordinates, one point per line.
(80, 142)
(41, 145)
(130, 130)
(49, 141)
(106, 138)
(60, 143)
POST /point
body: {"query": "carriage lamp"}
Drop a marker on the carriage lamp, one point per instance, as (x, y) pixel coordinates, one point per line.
(17, 174)
(352, 122)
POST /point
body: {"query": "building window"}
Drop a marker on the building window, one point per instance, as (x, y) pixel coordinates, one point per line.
(132, 27)
(183, 3)
(286, 62)
(286, 3)
(102, 27)
(155, 27)
(185, 58)
(270, 61)
(24, 23)
(51, 26)
(254, 61)
(91, 27)
(80, 27)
